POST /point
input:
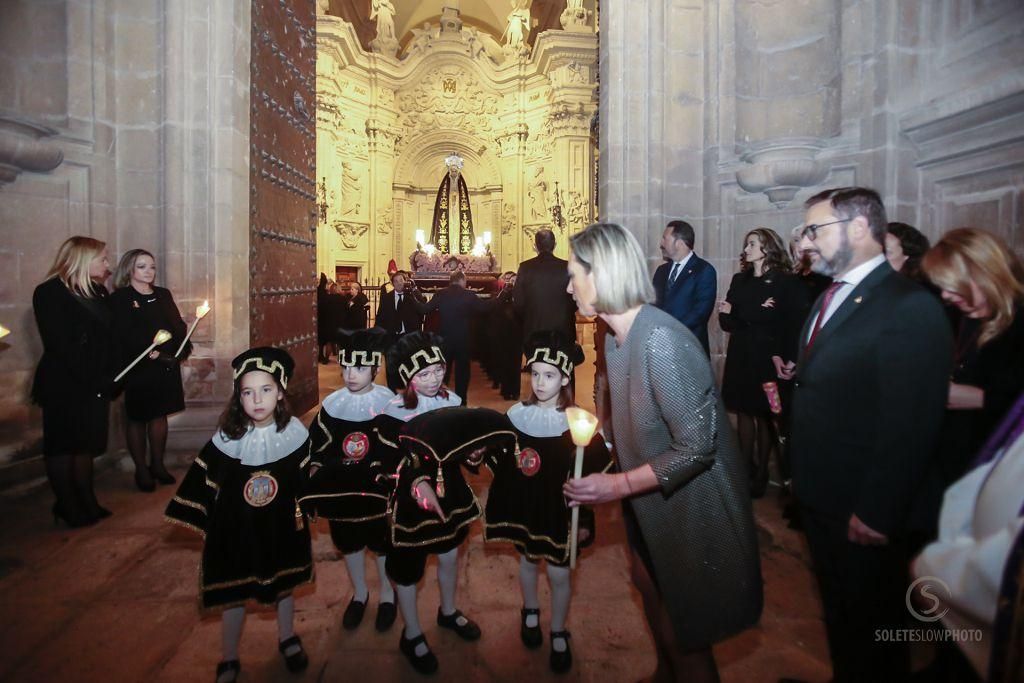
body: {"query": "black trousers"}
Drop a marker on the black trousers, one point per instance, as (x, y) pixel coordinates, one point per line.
(458, 364)
(863, 591)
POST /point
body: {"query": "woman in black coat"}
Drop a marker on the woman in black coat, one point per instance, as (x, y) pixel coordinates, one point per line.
(153, 387)
(356, 308)
(763, 312)
(74, 379)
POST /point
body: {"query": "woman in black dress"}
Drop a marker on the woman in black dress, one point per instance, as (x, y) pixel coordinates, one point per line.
(763, 312)
(153, 387)
(74, 379)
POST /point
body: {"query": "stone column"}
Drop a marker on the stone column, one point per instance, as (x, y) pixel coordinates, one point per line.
(787, 92)
(512, 151)
(386, 235)
(652, 116)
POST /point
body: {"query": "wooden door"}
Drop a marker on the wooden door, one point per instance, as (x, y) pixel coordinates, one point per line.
(282, 188)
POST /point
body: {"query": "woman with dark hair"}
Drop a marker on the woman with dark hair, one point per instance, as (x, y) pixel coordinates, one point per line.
(153, 387)
(983, 279)
(905, 246)
(73, 382)
(763, 312)
(688, 514)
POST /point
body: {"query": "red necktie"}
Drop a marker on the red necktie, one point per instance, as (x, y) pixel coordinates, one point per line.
(825, 301)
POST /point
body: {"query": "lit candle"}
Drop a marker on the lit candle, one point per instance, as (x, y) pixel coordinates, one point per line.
(4, 331)
(487, 238)
(429, 248)
(582, 426)
(421, 237)
(161, 337)
(201, 312)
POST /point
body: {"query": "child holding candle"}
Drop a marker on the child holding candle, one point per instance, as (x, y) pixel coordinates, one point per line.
(525, 505)
(240, 495)
(152, 389)
(344, 460)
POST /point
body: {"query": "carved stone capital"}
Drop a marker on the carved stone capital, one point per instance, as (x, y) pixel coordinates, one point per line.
(382, 136)
(350, 232)
(780, 168)
(576, 19)
(513, 139)
(23, 148)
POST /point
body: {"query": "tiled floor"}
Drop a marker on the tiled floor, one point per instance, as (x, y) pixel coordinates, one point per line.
(117, 602)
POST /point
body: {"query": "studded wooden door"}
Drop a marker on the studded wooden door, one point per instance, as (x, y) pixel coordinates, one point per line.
(282, 187)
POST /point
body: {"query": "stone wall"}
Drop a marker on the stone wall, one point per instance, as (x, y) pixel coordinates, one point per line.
(730, 113)
(147, 104)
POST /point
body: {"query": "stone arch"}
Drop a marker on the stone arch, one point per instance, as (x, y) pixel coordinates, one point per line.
(420, 162)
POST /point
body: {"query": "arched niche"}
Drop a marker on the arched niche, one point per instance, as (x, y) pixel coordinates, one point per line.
(420, 162)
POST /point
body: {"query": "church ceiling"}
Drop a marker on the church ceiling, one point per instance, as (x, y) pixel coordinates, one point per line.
(486, 15)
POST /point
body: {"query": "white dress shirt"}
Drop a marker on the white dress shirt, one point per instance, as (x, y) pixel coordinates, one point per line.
(677, 268)
(850, 281)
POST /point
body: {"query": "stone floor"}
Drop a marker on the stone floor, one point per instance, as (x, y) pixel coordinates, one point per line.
(117, 602)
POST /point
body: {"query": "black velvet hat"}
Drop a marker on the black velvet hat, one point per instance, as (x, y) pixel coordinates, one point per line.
(413, 352)
(362, 347)
(269, 359)
(457, 432)
(553, 348)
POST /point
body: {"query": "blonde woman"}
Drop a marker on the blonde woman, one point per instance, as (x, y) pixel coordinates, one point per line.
(74, 380)
(688, 511)
(153, 388)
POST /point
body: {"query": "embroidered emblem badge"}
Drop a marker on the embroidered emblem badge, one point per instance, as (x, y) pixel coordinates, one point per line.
(260, 490)
(355, 446)
(529, 462)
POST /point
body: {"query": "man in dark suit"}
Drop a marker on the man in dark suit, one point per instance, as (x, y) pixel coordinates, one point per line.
(397, 313)
(868, 398)
(540, 297)
(456, 305)
(686, 285)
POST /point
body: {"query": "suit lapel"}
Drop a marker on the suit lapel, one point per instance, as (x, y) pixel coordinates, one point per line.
(860, 295)
(685, 272)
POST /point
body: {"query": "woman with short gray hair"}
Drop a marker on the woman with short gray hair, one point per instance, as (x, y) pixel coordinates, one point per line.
(687, 512)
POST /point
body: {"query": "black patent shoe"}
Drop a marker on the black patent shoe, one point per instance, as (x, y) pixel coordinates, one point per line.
(102, 512)
(467, 631)
(531, 635)
(353, 614)
(163, 477)
(145, 484)
(74, 520)
(427, 664)
(297, 661)
(386, 614)
(227, 672)
(561, 662)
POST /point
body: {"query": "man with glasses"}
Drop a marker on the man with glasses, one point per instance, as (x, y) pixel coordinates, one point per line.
(868, 397)
(685, 286)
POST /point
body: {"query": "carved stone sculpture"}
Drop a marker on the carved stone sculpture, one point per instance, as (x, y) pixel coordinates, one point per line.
(518, 28)
(537, 192)
(351, 190)
(575, 17)
(508, 218)
(384, 12)
(350, 232)
(22, 148)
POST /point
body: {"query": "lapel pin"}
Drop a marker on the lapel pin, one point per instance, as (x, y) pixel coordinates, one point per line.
(858, 300)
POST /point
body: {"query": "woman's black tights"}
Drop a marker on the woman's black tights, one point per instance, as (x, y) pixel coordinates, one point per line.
(71, 477)
(757, 440)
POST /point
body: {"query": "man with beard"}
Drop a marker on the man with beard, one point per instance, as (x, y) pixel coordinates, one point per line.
(685, 286)
(869, 393)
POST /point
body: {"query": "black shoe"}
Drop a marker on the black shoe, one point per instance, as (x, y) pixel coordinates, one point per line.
(146, 485)
(75, 521)
(560, 662)
(102, 512)
(353, 614)
(163, 477)
(297, 661)
(232, 667)
(467, 631)
(427, 664)
(386, 614)
(531, 635)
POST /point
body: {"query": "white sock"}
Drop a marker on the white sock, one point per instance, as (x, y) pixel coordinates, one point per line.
(447, 578)
(528, 582)
(561, 593)
(231, 632)
(356, 564)
(410, 615)
(387, 593)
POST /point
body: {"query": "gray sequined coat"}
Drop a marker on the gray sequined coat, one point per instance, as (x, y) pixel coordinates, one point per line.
(699, 527)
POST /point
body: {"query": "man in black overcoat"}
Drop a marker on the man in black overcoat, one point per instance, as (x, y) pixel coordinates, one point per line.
(540, 297)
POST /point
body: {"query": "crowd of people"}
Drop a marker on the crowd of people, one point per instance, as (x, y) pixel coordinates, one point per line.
(895, 422)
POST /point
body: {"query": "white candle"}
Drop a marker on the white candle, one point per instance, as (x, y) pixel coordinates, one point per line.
(201, 312)
(161, 337)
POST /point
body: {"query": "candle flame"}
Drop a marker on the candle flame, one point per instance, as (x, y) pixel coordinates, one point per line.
(161, 337)
(4, 331)
(202, 310)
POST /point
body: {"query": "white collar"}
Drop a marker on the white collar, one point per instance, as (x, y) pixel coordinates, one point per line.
(537, 421)
(424, 404)
(344, 405)
(855, 276)
(262, 445)
(682, 264)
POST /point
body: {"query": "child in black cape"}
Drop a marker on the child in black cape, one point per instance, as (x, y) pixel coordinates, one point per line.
(241, 495)
(344, 460)
(525, 504)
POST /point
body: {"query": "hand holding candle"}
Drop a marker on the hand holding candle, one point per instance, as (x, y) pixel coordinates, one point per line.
(582, 426)
(201, 312)
(161, 337)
